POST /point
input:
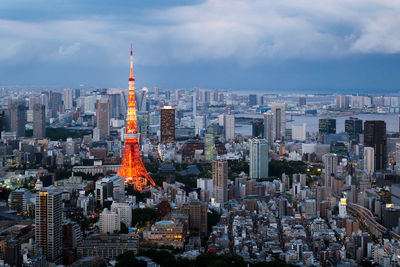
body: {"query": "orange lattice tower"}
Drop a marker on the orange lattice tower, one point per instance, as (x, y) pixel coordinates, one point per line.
(132, 167)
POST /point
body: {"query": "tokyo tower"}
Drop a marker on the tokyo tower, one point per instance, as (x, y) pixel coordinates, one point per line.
(132, 167)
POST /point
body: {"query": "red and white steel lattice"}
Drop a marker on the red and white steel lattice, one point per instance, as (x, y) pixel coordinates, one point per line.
(132, 167)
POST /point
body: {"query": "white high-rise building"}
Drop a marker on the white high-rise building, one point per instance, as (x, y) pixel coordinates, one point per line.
(259, 158)
(48, 228)
(110, 221)
(299, 132)
(229, 127)
(330, 161)
(342, 208)
(205, 185)
(279, 120)
(125, 212)
(369, 160)
(199, 125)
(221, 118)
(68, 99)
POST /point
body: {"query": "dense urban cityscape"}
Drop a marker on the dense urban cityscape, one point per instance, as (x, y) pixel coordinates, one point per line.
(199, 133)
(157, 177)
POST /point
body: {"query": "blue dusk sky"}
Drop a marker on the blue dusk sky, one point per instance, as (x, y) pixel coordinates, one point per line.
(247, 45)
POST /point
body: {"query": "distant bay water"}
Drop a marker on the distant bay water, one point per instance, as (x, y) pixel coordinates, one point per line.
(392, 121)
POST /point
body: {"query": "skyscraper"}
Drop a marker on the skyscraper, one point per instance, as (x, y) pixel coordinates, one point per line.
(68, 98)
(194, 100)
(115, 103)
(257, 128)
(18, 118)
(330, 164)
(259, 158)
(48, 230)
(268, 127)
(353, 126)
(327, 126)
(375, 137)
(167, 115)
(299, 132)
(279, 120)
(220, 181)
(252, 100)
(199, 125)
(39, 121)
(229, 127)
(103, 117)
(55, 103)
(209, 147)
(302, 101)
(369, 164)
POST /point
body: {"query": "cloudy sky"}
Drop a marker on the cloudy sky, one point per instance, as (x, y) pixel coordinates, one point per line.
(263, 45)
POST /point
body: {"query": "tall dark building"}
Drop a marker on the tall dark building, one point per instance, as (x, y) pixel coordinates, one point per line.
(375, 136)
(3, 120)
(115, 103)
(55, 103)
(353, 126)
(302, 101)
(39, 121)
(18, 118)
(103, 117)
(252, 100)
(48, 230)
(327, 126)
(258, 128)
(167, 124)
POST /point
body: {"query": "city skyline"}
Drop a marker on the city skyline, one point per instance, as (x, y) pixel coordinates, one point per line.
(242, 45)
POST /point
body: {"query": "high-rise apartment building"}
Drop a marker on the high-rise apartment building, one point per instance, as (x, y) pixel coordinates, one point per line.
(369, 160)
(229, 127)
(17, 200)
(116, 105)
(220, 181)
(299, 132)
(252, 100)
(354, 127)
(259, 158)
(68, 98)
(199, 125)
(110, 222)
(55, 103)
(103, 117)
(330, 161)
(327, 126)
(167, 115)
(302, 101)
(18, 118)
(268, 127)
(209, 147)
(124, 211)
(48, 228)
(39, 121)
(375, 137)
(278, 121)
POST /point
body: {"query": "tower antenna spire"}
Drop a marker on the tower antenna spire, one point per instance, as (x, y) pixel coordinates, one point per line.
(131, 78)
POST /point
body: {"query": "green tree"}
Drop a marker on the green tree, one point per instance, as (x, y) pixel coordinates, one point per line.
(144, 217)
(128, 259)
